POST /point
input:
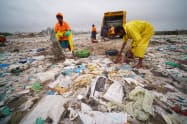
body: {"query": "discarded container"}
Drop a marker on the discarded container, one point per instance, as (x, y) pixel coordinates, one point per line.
(82, 53)
(31, 60)
(22, 61)
(16, 71)
(39, 120)
(36, 87)
(5, 111)
(40, 49)
(173, 64)
(79, 68)
(4, 65)
(112, 52)
(50, 92)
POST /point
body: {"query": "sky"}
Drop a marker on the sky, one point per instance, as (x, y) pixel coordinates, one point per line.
(35, 15)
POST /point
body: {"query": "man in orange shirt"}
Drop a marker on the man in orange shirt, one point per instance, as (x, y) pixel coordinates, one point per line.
(112, 31)
(63, 32)
(93, 35)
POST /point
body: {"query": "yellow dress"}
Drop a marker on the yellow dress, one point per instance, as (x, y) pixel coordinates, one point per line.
(140, 32)
(70, 39)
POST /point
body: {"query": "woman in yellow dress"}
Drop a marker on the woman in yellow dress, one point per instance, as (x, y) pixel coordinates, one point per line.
(140, 32)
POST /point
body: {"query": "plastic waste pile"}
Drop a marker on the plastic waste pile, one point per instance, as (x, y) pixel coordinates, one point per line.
(90, 88)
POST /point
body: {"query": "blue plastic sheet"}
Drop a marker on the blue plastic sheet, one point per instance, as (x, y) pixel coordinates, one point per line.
(4, 65)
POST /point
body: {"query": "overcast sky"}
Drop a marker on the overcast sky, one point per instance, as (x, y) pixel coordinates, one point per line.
(35, 15)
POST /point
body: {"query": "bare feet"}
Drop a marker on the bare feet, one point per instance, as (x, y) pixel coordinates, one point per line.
(129, 54)
(118, 59)
(138, 66)
(127, 61)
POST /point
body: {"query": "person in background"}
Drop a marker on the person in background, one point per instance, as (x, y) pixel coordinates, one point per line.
(112, 31)
(63, 33)
(140, 32)
(104, 33)
(93, 33)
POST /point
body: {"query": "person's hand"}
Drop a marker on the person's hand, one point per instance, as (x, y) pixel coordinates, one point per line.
(118, 59)
(67, 33)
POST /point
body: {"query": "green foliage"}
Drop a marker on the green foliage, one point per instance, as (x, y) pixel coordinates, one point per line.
(6, 33)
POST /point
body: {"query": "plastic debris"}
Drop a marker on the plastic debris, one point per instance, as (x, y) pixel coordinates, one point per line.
(96, 117)
(39, 58)
(61, 90)
(22, 61)
(36, 87)
(40, 49)
(39, 120)
(115, 93)
(50, 92)
(173, 64)
(5, 111)
(141, 106)
(98, 86)
(112, 52)
(62, 81)
(4, 65)
(91, 89)
(82, 53)
(49, 106)
(46, 76)
(73, 114)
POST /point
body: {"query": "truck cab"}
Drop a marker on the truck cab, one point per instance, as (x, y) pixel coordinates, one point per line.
(113, 20)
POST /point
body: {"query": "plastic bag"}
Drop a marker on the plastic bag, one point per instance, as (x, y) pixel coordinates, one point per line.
(115, 93)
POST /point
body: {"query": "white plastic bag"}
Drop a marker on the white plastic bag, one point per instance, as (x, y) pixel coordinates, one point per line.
(96, 117)
(115, 93)
(62, 81)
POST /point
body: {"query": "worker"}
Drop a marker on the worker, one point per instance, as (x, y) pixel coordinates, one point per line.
(112, 31)
(104, 32)
(140, 32)
(63, 33)
(93, 33)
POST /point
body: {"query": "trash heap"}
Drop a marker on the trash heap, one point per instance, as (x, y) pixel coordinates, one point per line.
(91, 90)
(165, 59)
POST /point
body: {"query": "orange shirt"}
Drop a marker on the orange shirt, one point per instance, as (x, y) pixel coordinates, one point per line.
(62, 28)
(112, 30)
(94, 29)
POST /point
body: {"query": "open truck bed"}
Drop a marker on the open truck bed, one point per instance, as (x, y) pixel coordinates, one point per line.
(117, 19)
